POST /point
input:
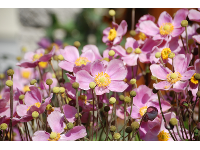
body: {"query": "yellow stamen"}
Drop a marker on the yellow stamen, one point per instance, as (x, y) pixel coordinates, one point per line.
(163, 136)
(26, 88)
(37, 56)
(26, 74)
(102, 79)
(0, 97)
(81, 61)
(43, 64)
(38, 104)
(166, 28)
(142, 36)
(165, 52)
(143, 110)
(112, 34)
(193, 80)
(56, 138)
(83, 98)
(172, 78)
(50, 111)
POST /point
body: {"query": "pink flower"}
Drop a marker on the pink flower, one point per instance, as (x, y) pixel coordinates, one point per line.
(107, 78)
(194, 15)
(178, 79)
(33, 102)
(55, 121)
(113, 36)
(94, 49)
(73, 60)
(166, 26)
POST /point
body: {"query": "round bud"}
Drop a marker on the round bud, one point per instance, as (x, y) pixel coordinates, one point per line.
(116, 136)
(33, 81)
(56, 90)
(171, 55)
(62, 90)
(112, 128)
(137, 51)
(133, 93)
(55, 57)
(53, 135)
(135, 125)
(107, 108)
(10, 72)
(184, 23)
(49, 81)
(129, 50)
(198, 94)
(155, 91)
(75, 85)
(92, 85)
(35, 114)
(173, 121)
(121, 97)
(70, 125)
(18, 58)
(48, 107)
(197, 76)
(9, 83)
(158, 54)
(112, 100)
(132, 81)
(128, 129)
(76, 115)
(111, 53)
(77, 44)
(112, 12)
(127, 99)
(24, 49)
(3, 126)
(60, 57)
(21, 97)
(153, 77)
(133, 33)
(198, 30)
(2, 76)
(92, 102)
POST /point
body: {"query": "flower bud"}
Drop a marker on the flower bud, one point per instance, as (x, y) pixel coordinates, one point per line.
(70, 125)
(35, 114)
(62, 90)
(2, 76)
(112, 100)
(153, 77)
(53, 135)
(112, 12)
(49, 81)
(121, 97)
(60, 57)
(9, 83)
(92, 85)
(75, 85)
(137, 51)
(3, 126)
(129, 50)
(33, 81)
(116, 136)
(155, 91)
(158, 54)
(56, 90)
(171, 55)
(111, 53)
(21, 97)
(197, 76)
(132, 81)
(184, 23)
(198, 94)
(135, 125)
(112, 128)
(106, 108)
(18, 58)
(48, 107)
(133, 93)
(76, 115)
(128, 129)
(55, 57)
(127, 99)
(173, 121)
(77, 44)
(133, 33)
(10, 72)
(24, 49)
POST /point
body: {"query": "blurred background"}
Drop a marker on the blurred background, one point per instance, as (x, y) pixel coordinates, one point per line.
(22, 28)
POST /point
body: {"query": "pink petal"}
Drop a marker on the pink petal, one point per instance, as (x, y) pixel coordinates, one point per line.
(101, 90)
(118, 86)
(95, 50)
(197, 66)
(22, 110)
(97, 67)
(116, 70)
(181, 62)
(180, 86)
(84, 79)
(177, 31)
(117, 40)
(33, 96)
(181, 14)
(196, 38)
(119, 50)
(149, 28)
(187, 75)
(163, 85)
(68, 66)
(159, 71)
(135, 112)
(194, 15)
(55, 120)
(69, 112)
(89, 55)
(70, 53)
(122, 28)
(106, 31)
(40, 136)
(131, 42)
(131, 60)
(164, 18)
(150, 44)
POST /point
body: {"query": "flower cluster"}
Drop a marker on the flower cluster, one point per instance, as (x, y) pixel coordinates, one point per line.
(64, 93)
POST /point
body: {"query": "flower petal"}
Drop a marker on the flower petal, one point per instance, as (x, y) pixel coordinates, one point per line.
(68, 66)
(117, 86)
(97, 67)
(159, 71)
(163, 85)
(164, 18)
(84, 79)
(194, 15)
(149, 28)
(181, 14)
(41, 136)
(33, 96)
(70, 53)
(69, 112)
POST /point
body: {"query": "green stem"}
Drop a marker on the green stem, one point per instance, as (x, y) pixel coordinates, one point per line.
(124, 121)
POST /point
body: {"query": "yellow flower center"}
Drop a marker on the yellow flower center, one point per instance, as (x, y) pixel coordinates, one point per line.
(102, 79)
(38, 104)
(43, 64)
(81, 61)
(137, 51)
(0, 96)
(172, 78)
(143, 110)
(142, 36)
(26, 74)
(165, 52)
(166, 28)
(193, 80)
(54, 136)
(26, 88)
(112, 34)
(163, 136)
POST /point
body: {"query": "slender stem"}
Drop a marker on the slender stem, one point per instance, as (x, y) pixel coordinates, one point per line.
(77, 107)
(11, 108)
(97, 116)
(183, 44)
(106, 126)
(26, 131)
(92, 117)
(187, 39)
(61, 108)
(54, 72)
(133, 19)
(124, 121)
(20, 132)
(3, 135)
(179, 133)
